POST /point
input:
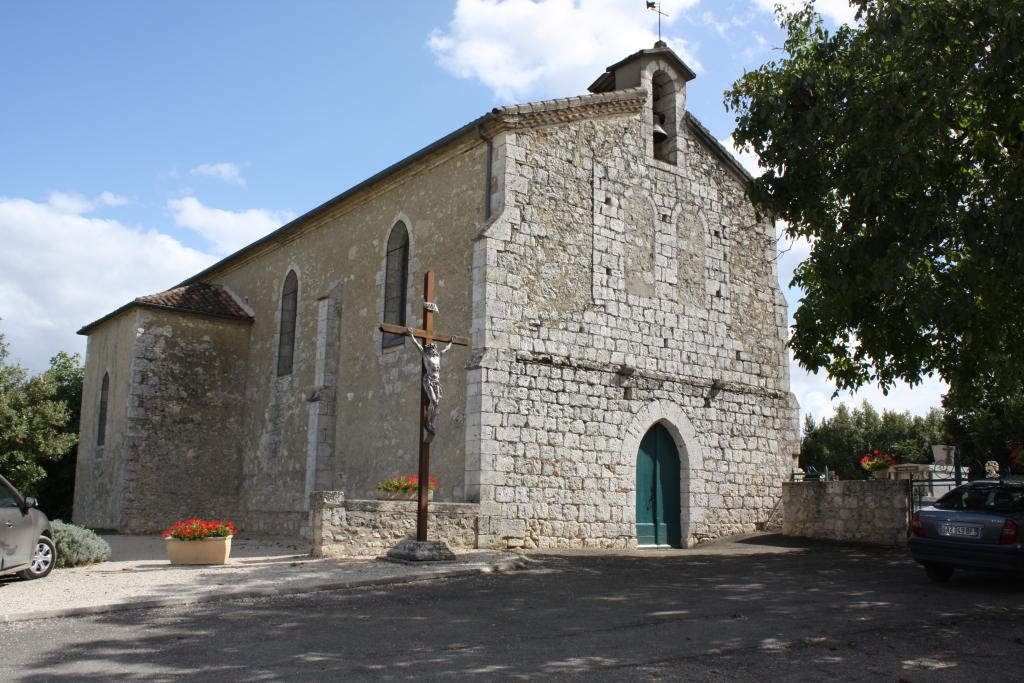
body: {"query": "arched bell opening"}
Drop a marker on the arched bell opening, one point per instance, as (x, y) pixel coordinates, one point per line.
(663, 116)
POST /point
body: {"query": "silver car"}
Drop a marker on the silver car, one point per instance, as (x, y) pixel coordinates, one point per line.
(979, 525)
(26, 540)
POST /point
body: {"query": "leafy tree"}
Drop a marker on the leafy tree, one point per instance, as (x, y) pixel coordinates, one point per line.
(34, 422)
(986, 429)
(896, 147)
(841, 441)
(57, 490)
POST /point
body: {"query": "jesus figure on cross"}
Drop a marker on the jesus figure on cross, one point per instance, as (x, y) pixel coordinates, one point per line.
(431, 381)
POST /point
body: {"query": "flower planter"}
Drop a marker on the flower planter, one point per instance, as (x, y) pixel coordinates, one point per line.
(214, 550)
(402, 495)
(880, 474)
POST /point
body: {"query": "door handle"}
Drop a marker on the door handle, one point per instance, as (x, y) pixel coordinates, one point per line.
(8, 523)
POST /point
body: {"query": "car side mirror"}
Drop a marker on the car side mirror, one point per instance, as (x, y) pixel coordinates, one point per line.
(31, 502)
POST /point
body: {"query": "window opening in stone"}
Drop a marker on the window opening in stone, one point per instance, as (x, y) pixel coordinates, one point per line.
(101, 427)
(663, 98)
(396, 282)
(286, 338)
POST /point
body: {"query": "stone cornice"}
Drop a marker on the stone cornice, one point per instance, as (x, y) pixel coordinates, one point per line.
(566, 110)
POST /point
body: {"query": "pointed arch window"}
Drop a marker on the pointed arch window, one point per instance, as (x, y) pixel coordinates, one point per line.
(286, 338)
(396, 282)
(101, 424)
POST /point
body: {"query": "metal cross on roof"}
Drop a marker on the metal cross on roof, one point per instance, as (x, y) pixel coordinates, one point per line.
(656, 8)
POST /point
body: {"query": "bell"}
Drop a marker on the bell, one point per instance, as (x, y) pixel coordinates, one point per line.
(659, 133)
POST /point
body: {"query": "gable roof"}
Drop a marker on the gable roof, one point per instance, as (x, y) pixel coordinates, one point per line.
(606, 81)
(198, 298)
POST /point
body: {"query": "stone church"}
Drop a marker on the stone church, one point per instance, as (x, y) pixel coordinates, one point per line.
(627, 383)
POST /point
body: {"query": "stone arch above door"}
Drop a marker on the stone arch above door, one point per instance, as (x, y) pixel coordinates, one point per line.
(691, 457)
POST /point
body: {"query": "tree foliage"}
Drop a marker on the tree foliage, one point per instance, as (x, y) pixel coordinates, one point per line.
(841, 441)
(986, 428)
(896, 147)
(36, 425)
(57, 489)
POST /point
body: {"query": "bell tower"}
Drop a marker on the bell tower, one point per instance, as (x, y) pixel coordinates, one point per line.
(664, 76)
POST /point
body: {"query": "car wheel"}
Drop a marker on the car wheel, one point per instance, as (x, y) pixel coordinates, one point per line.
(938, 572)
(43, 559)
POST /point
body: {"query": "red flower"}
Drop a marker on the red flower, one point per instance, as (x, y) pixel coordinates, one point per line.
(198, 529)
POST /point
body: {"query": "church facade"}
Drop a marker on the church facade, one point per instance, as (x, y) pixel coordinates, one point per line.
(627, 382)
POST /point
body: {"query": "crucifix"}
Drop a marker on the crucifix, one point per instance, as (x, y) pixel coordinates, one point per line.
(430, 392)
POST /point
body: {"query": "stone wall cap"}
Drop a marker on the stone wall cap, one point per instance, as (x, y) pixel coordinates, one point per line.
(463, 509)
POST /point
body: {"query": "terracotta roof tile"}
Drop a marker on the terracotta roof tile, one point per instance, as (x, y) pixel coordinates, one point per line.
(197, 298)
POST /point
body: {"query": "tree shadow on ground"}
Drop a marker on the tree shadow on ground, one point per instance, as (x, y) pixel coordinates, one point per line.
(833, 611)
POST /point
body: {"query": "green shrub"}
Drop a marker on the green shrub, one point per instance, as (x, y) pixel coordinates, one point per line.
(77, 545)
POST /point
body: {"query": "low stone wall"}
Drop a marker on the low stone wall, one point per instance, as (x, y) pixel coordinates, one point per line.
(339, 527)
(873, 511)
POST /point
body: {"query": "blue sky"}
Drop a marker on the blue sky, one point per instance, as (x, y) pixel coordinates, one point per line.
(141, 141)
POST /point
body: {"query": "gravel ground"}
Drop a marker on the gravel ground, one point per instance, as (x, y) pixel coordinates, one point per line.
(138, 574)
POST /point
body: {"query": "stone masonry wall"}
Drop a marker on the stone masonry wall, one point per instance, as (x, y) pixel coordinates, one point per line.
(622, 292)
(183, 453)
(874, 511)
(99, 475)
(340, 527)
(346, 416)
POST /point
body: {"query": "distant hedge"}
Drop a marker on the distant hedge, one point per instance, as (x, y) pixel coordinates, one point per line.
(77, 545)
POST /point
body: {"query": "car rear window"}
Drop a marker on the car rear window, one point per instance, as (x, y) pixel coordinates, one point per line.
(987, 499)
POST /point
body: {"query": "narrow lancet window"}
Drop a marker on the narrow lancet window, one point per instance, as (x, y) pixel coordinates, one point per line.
(286, 338)
(101, 424)
(396, 281)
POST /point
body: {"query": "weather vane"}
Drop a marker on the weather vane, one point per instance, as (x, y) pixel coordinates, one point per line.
(656, 8)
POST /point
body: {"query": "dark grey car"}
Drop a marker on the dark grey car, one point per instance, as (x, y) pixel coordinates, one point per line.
(975, 526)
(26, 540)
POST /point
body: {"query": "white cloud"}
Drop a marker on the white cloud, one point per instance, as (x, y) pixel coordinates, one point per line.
(111, 199)
(814, 393)
(838, 11)
(226, 231)
(759, 46)
(76, 204)
(60, 270)
(526, 49)
(726, 28)
(225, 170)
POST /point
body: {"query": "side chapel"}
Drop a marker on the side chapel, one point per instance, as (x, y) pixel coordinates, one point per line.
(627, 383)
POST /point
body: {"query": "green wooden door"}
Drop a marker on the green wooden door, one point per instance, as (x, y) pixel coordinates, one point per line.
(646, 489)
(657, 490)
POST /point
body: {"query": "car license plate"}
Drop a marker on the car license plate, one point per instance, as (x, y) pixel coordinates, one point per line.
(959, 530)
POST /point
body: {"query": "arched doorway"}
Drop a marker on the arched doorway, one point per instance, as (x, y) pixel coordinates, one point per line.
(657, 490)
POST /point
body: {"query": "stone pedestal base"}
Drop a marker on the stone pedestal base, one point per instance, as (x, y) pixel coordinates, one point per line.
(420, 551)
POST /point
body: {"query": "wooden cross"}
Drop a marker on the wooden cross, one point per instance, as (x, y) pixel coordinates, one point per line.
(429, 336)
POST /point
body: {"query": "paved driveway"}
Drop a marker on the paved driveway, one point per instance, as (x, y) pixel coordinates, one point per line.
(764, 610)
